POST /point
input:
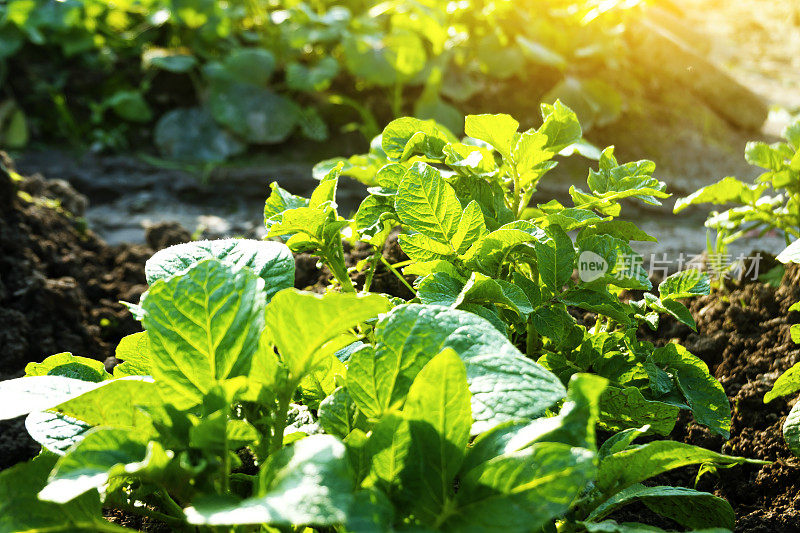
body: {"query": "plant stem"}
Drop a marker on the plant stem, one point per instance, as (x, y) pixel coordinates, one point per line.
(280, 422)
(171, 521)
(372, 268)
(396, 273)
(531, 340)
(335, 261)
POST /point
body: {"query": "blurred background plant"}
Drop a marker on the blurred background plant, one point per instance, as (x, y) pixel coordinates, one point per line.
(205, 79)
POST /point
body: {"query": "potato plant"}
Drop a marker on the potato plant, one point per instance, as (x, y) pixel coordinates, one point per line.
(772, 202)
(478, 243)
(246, 405)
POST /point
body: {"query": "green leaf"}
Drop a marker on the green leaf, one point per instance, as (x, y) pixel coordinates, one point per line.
(574, 425)
(425, 203)
(203, 327)
(561, 126)
(389, 445)
(497, 130)
(21, 396)
(54, 431)
(620, 441)
(22, 510)
(788, 383)
(791, 254)
(67, 365)
(703, 392)
(135, 352)
(633, 465)
(688, 507)
(483, 290)
(312, 78)
(307, 483)
(303, 325)
(250, 65)
(597, 301)
(438, 410)
(338, 413)
(621, 229)
(489, 253)
(522, 491)
(130, 105)
(627, 408)
(271, 261)
(192, 135)
(726, 191)
(504, 384)
(115, 405)
(101, 455)
(470, 228)
(439, 288)
(401, 132)
(791, 430)
(257, 114)
(684, 284)
(279, 201)
(673, 308)
(555, 258)
(422, 248)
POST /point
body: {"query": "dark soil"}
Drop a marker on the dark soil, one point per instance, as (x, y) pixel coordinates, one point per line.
(60, 286)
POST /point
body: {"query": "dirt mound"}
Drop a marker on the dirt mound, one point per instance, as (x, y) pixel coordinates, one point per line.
(60, 285)
(743, 335)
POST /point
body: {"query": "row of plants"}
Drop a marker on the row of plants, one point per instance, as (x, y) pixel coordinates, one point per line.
(209, 78)
(248, 405)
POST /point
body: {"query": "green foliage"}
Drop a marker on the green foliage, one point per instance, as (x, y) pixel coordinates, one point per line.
(210, 78)
(358, 412)
(771, 202)
(478, 244)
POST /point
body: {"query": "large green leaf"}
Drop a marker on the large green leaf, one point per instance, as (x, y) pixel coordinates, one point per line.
(627, 408)
(504, 384)
(521, 491)
(66, 364)
(134, 350)
(574, 425)
(497, 130)
(305, 326)
(115, 405)
(426, 137)
(490, 252)
(191, 135)
(102, 454)
(555, 258)
(308, 483)
(21, 396)
(702, 391)
(54, 431)
(726, 191)
(636, 464)
(271, 261)
(204, 327)
(257, 114)
(388, 447)
(561, 126)
(791, 254)
(688, 507)
(426, 204)
(22, 511)
(438, 409)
